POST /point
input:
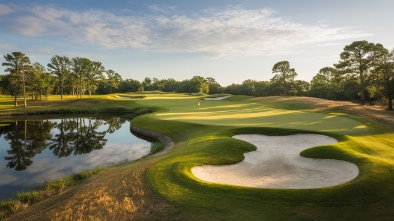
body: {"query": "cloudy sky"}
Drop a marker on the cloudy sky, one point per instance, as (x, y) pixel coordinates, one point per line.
(229, 40)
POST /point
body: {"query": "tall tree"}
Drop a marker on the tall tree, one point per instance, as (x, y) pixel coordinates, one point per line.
(35, 81)
(286, 74)
(93, 75)
(199, 85)
(356, 59)
(60, 67)
(129, 85)
(6, 85)
(18, 66)
(157, 84)
(248, 87)
(170, 85)
(80, 68)
(326, 75)
(214, 87)
(383, 62)
(146, 84)
(327, 83)
(114, 80)
(40, 81)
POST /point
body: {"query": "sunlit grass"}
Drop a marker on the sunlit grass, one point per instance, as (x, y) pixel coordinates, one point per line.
(69, 104)
(245, 114)
(361, 142)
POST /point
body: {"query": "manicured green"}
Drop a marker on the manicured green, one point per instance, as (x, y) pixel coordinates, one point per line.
(202, 135)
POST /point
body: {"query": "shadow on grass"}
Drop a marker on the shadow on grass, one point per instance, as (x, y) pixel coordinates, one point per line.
(172, 177)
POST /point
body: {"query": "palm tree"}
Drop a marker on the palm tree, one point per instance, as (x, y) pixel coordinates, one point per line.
(18, 66)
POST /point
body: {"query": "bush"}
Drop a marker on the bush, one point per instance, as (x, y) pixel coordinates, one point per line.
(30, 197)
(9, 207)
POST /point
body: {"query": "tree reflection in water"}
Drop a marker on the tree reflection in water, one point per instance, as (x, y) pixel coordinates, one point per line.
(27, 138)
(75, 136)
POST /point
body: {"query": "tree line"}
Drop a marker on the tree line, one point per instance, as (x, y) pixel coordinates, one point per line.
(365, 71)
(81, 76)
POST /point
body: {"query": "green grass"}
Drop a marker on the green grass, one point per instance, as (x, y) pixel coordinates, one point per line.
(251, 113)
(173, 180)
(156, 147)
(202, 135)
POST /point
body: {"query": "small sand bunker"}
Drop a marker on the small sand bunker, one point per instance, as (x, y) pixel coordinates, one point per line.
(277, 164)
(216, 98)
(117, 96)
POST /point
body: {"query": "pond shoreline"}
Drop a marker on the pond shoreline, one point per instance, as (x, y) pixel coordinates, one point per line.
(156, 136)
(76, 111)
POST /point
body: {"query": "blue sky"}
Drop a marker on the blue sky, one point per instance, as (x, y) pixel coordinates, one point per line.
(228, 40)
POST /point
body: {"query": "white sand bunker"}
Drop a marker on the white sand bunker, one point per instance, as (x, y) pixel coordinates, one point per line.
(117, 96)
(216, 98)
(277, 164)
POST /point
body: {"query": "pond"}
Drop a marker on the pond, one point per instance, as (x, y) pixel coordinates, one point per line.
(35, 151)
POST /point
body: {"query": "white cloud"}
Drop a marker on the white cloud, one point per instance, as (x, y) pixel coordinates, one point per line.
(5, 10)
(7, 47)
(160, 9)
(227, 32)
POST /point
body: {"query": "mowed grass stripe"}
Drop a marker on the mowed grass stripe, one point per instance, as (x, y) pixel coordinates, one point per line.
(252, 113)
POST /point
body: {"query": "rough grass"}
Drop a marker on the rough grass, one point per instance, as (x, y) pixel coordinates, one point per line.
(42, 192)
(10, 207)
(156, 147)
(164, 188)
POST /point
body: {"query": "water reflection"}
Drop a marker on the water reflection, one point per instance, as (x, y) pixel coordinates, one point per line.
(78, 136)
(26, 139)
(30, 148)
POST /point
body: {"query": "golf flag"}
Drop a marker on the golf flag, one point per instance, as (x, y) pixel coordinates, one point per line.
(198, 104)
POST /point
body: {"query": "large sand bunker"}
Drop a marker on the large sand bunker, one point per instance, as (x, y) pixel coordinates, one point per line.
(277, 164)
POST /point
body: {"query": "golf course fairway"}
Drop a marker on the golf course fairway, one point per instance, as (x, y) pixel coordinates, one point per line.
(163, 187)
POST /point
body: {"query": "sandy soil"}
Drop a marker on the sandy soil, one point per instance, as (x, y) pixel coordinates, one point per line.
(374, 113)
(277, 164)
(216, 98)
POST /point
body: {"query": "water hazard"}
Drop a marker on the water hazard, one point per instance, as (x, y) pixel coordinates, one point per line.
(35, 151)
